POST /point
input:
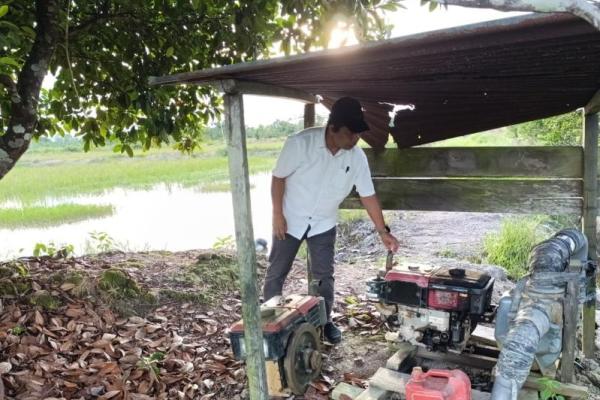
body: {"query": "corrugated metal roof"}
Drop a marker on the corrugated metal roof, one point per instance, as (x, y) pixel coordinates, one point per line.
(460, 80)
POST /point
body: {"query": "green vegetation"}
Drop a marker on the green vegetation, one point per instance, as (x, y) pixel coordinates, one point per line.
(17, 330)
(101, 89)
(36, 216)
(123, 294)
(348, 216)
(28, 184)
(510, 246)
(549, 387)
(53, 250)
(496, 137)
(45, 300)
(208, 278)
(562, 130)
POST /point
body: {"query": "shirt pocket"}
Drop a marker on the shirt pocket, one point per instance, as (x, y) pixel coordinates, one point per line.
(342, 181)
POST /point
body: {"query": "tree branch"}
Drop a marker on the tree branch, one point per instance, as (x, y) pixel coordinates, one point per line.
(581, 8)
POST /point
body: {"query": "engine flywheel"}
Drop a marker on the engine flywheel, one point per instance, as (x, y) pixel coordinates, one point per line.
(303, 361)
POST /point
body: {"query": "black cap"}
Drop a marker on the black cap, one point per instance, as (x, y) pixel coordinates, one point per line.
(347, 111)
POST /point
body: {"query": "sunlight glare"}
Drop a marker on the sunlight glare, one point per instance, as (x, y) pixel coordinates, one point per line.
(341, 36)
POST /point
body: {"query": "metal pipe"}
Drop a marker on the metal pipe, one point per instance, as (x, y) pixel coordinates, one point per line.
(537, 304)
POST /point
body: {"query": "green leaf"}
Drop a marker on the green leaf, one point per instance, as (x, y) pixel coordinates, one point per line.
(3, 10)
(170, 51)
(30, 32)
(128, 150)
(432, 5)
(391, 6)
(118, 148)
(9, 61)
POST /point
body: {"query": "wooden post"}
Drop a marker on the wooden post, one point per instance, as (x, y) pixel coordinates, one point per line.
(590, 213)
(309, 121)
(246, 253)
(309, 115)
(569, 341)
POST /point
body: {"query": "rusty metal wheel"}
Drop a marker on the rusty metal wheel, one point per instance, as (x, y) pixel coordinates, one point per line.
(303, 361)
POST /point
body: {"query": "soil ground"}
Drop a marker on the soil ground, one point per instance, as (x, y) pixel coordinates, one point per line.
(166, 334)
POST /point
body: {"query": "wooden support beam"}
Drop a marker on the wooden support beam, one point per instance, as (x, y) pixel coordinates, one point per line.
(593, 106)
(439, 162)
(589, 224)
(309, 121)
(471, 360)
(569, 346)
(528, 196)
(246, 253)
(262, 89)
(309, 115)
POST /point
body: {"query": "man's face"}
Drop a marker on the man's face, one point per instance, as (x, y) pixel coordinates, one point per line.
(345, 138)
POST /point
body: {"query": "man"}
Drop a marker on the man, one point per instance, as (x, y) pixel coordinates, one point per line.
(315, 171)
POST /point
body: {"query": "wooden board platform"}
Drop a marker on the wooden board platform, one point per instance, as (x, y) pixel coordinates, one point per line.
(388, 380)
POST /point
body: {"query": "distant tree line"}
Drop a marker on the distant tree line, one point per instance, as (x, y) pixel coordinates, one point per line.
(274, 130)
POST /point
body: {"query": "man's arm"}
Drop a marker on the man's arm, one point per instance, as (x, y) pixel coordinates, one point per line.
(279, 223)
(371, 204)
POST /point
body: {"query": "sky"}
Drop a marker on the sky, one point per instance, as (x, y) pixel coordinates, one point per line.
(414, 19)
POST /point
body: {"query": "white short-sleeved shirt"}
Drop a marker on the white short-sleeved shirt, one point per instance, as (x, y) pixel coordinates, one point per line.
(316, 181)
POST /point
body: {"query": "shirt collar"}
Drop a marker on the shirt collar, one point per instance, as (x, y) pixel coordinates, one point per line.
(323, 145)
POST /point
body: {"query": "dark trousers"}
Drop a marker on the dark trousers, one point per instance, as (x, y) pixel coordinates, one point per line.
(320, 248)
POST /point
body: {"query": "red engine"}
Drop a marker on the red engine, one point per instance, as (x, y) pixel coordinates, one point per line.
(436, 306)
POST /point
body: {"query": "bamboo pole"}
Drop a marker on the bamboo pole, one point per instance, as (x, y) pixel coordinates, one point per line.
(589, 223)
(246, 253)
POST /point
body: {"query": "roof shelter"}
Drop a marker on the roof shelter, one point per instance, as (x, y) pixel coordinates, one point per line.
(497, 73)
(451, 82)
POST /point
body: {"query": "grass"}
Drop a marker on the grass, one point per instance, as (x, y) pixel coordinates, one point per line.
(36, 216)
(510, 246)
(28, 184)
(47, 172)
(494, 138)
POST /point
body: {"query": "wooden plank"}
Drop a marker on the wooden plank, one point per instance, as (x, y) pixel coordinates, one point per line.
(484, 335)
(528, 394)
(471, 360)
(569, 340)
(477, 195)
(246, 253)
(347, 390)
(405, 351)
(569, 390)
(393, 381)
(548, 161)
(589, 221)
(373, 393)
(263, 89)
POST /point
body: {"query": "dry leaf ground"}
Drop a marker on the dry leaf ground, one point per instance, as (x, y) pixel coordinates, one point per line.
(154, 325)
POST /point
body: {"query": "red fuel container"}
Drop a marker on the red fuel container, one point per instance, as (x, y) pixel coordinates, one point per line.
(438, 384)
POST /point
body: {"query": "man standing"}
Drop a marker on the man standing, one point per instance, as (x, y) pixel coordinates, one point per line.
(315, 171)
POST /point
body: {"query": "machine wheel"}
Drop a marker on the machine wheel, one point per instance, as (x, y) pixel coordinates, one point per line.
(302, 362)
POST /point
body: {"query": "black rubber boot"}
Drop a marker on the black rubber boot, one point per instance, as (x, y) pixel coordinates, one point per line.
(332, 334)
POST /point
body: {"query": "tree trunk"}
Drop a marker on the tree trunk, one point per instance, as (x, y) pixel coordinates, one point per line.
(581, 8)
(25, 93)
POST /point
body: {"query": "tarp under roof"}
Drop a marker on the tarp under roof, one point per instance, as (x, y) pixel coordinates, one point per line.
(460, 80)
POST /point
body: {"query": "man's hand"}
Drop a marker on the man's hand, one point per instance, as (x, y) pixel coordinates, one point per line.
(279, 226)
(389, 241)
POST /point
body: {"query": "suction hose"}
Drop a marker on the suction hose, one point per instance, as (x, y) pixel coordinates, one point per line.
(547, 261)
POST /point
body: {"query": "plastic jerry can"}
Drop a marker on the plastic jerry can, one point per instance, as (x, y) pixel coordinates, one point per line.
(438, 384)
